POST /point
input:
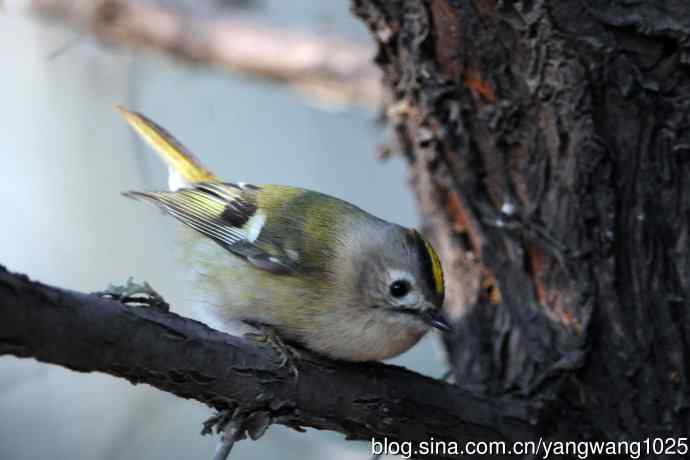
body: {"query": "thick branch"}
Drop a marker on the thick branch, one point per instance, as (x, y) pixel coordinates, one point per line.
(333, 71)
(186, 358)
(548, 143)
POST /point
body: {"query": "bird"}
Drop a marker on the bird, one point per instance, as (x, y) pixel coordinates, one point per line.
(315, 271)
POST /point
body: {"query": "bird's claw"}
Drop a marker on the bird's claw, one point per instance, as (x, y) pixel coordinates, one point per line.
(135, 294)
(288, 354)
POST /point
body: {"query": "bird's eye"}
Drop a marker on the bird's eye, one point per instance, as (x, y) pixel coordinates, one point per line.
(399, 288)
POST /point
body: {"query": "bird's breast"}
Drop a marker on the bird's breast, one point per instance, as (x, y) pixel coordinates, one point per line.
(363, 335)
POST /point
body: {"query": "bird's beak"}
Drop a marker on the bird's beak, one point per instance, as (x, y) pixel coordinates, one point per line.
(435, 318)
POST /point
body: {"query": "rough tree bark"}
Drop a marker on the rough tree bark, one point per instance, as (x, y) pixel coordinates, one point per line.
(549, 149)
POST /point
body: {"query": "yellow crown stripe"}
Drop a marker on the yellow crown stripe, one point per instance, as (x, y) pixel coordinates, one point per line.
(436, 268)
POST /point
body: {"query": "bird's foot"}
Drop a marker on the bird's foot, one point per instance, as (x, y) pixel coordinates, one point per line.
(135, 294)
(235, 425)
(267, 334)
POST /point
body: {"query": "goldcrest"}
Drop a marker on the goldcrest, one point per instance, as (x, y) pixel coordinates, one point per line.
(321, 272)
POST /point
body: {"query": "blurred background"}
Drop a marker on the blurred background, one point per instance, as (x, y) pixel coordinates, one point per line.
(67, 156)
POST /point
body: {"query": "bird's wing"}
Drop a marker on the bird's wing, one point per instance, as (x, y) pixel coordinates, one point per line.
(229, 215)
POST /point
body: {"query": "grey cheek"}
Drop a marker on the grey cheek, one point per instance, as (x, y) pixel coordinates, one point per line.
(366, 287)
(365, 280)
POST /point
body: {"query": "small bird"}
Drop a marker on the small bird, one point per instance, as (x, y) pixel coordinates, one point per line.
(318, 271)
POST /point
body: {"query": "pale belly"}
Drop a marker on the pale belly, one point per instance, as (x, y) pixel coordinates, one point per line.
(377, 344)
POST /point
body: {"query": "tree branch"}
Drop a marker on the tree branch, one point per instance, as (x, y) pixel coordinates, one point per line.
(184, 357)
(333, 71)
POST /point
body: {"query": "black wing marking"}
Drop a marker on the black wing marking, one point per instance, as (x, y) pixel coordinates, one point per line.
(228, 214)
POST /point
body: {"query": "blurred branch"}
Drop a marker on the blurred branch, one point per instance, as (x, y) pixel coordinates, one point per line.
(184, 357)
(333, 71)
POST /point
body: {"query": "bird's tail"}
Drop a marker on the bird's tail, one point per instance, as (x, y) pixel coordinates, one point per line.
(184, 168)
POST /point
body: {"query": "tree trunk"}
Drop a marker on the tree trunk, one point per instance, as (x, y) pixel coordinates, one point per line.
(549, 149)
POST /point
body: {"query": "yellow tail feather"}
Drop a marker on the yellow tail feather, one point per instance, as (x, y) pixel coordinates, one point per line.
(176, 155)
